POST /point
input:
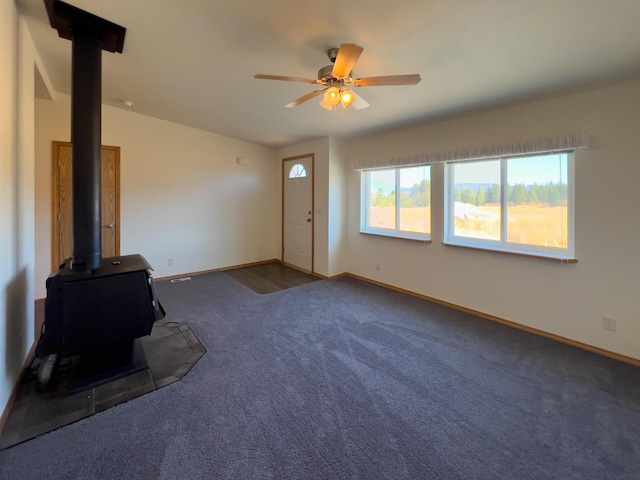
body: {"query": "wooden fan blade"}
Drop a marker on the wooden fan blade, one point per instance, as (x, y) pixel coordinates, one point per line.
(359, 103)
(348, 55)
(304, 98)
(412, 79)
(286, 79)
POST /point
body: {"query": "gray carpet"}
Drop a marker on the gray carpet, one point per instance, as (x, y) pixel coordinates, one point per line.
(341, 379)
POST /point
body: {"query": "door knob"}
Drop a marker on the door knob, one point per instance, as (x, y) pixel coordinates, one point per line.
(108, 226)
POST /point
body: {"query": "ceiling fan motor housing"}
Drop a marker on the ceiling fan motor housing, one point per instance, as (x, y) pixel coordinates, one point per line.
(325, 73)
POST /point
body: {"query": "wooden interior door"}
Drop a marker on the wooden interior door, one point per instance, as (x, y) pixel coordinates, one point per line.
(62, 235)
(110, 201)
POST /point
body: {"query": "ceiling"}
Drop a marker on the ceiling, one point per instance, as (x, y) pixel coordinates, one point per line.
(192, 62)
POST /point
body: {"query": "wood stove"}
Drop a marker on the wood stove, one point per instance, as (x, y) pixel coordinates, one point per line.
(98, 316)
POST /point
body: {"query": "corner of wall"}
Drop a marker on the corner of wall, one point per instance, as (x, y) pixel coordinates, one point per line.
(17, 206)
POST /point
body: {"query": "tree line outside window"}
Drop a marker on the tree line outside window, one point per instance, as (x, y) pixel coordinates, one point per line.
(552, 194)
(418, 196)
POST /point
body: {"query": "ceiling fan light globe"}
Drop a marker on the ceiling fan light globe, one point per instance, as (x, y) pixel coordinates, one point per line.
(347, 98)
(325, 105)
(332, 96)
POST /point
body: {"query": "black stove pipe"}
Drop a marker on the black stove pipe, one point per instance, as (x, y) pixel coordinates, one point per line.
(89, 35)
(86, 116)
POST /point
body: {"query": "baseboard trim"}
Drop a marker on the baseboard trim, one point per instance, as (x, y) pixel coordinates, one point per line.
(509, 323)
(301, 270)
(202, 272)
(221, 269)
(244, 265)
(16, 387)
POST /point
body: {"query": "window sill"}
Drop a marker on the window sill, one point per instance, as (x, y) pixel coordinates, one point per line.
(521, 253)
(397, 235)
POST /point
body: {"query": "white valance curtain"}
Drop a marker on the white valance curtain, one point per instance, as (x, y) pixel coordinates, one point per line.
(552, 145)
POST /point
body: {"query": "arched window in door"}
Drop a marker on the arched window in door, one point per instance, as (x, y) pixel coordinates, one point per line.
(297, 171)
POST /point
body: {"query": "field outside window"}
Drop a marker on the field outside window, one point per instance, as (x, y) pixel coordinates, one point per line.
(522, 204)
(397, 202)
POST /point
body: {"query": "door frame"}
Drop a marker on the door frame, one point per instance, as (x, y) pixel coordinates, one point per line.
(55, 199)
(313, 210)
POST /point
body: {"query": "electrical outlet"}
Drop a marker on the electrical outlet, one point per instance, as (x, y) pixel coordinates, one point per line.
(609, 323)
(170, 262)
(377, 267)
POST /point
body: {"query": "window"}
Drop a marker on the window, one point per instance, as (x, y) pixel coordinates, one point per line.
(519, 205)
(397, 202)
(297, 171)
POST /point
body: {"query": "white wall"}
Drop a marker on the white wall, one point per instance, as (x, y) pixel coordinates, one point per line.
(338, 176)
(566, 300)
(17, 64)
(183, 196)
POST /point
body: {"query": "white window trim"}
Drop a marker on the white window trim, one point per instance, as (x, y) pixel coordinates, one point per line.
(365, 206)
(562, 254)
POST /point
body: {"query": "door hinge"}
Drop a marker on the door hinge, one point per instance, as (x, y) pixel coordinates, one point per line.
(59, 218)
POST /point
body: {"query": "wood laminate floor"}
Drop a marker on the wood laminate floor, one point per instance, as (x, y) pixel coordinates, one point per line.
(270, 277)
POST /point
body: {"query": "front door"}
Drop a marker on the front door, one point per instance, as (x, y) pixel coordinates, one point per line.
(297, 212)
(62, 237)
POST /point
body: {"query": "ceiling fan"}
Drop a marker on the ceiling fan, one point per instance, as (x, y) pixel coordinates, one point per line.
(336, 80)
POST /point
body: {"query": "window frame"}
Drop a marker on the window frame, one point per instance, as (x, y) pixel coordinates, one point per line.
(365, 207)
(502, 245)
